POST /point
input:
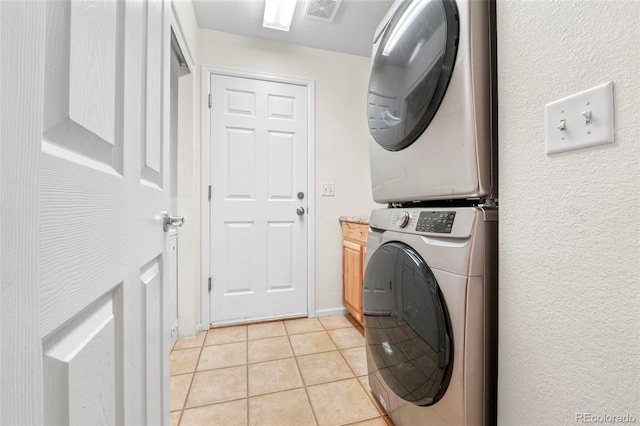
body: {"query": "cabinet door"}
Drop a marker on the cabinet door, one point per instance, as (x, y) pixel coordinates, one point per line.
(352, 278)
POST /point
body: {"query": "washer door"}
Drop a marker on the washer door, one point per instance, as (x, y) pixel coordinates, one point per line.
(406, 324)
(411, 71)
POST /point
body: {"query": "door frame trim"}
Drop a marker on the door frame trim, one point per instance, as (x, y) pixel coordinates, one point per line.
(207, 72)
(182, 44)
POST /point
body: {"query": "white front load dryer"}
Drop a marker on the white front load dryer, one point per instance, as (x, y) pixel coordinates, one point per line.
(430, 314)
(431, 104)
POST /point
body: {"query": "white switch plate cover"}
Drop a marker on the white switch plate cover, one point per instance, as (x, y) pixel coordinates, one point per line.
(328, 189)
(577, 134)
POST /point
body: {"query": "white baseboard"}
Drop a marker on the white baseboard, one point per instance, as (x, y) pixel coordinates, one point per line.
(331, 312)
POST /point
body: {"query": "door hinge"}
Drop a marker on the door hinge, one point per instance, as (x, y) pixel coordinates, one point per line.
(209, 284)
(209, 100)
(209, 192)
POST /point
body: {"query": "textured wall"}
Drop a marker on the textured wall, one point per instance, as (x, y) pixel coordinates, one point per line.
(569, 223)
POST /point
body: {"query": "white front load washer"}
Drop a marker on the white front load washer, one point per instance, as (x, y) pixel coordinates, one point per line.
(430, 314)
(431, 102)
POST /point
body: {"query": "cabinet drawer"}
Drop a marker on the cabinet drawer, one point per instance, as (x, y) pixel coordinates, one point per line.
(355, 232)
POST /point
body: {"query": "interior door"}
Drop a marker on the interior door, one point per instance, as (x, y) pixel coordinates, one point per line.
(259, 199)
(101, 127)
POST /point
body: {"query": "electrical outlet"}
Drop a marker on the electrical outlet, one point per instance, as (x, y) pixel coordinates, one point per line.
(328, 189)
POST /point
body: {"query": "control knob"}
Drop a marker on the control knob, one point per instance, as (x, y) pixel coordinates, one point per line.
(403, 219)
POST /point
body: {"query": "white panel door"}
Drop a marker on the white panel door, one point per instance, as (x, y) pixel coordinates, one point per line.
(102, 134)
(258, 166)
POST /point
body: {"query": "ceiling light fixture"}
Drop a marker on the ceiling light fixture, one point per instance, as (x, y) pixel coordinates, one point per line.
(278, 14)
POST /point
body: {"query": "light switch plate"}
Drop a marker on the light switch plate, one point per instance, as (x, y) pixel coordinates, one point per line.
(328, 189)
(581, 120)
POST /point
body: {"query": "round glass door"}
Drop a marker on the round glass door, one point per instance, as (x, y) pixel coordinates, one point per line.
(406, 324)
(411, 71)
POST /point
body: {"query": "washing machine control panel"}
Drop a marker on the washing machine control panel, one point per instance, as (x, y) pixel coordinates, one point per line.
(439, 222)
(402, 220)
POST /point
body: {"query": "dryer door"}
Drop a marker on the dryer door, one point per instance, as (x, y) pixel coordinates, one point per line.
(407, 327)
(411, 70)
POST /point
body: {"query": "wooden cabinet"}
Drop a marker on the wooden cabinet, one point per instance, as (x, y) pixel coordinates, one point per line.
(354, 246)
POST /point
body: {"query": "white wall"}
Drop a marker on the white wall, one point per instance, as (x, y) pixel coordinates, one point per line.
(569, 223)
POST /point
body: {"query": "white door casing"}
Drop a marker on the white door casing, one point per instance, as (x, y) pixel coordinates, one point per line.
(99, 130)
(259, 163)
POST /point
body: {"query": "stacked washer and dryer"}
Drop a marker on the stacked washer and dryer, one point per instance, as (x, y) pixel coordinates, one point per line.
(430, 286)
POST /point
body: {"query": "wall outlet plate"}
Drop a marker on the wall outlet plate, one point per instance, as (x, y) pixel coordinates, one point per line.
(581, 120)
(327, 189)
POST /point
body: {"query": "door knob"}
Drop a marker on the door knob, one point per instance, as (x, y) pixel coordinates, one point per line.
(300, 211)
(169, 221)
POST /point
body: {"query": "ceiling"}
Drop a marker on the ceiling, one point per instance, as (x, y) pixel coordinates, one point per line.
(351, 31)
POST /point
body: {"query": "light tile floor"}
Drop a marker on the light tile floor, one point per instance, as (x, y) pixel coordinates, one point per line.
(309, 371)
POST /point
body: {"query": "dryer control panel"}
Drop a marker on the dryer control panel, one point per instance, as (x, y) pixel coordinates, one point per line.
(440, 222)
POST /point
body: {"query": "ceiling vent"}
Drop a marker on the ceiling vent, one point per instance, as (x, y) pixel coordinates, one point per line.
(322, 10)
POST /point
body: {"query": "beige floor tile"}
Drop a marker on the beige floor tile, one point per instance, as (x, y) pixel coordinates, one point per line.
(378, 421)
(218, 336)
(310, 343)
(273, 376)
(357, 359)
(269, 349)
(178, 389)
(338, 321)
(266, 330)
(288, 408)
(174, 418)
(364, 381)
(341, 402)
(346, 337)
(183, 361)
(221, 356)
(323, 367)
(388, 420)
(233, 413)
(303, 325)
(220, 385)
(191, 342)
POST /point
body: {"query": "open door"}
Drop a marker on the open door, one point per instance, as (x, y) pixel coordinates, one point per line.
(87, 121)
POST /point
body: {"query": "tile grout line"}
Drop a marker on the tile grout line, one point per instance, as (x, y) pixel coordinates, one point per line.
(355, 376)
(246, 343)
(304, 385)
(193, 376)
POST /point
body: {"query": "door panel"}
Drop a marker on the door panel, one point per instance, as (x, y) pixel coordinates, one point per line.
(85, 344)
(280, 165)
(258, 165)
(151, 283)
(280, 244)
(83, 92)
(153, 143)
(239, 261)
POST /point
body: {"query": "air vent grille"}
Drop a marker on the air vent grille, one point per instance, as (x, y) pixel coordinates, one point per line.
(324, 10)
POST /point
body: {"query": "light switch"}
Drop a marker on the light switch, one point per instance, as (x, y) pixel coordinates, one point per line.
(328, 189)
(581, 120)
